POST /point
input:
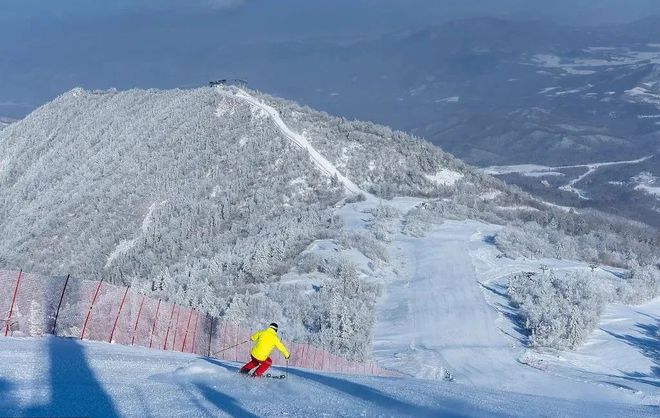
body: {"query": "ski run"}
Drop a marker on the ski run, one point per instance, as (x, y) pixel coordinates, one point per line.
(443, 312)
(321, 162)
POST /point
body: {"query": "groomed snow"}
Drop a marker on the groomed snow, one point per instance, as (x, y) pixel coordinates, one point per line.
(63, 377)
(445, 309)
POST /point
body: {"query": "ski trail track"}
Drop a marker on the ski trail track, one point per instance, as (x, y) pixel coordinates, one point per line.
(321, 162)
(434, 316)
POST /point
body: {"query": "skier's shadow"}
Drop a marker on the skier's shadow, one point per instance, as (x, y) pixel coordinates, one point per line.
(219, 399)
(224, 402)
(75, 391)
(366, 393)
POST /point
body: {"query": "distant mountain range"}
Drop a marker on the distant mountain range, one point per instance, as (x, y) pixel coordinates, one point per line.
(492, 92)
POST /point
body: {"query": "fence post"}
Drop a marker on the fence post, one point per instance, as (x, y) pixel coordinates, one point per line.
(137, 320)
(169, 324)
(176, 327)
(89, 312)
(313, 357)
(185, 336)
(210, 333)
(13, 301)
(59, 305)
(194, 340)
(238, 332)
(224, 336)
(121, 306)
(153, 327)
(302, 355)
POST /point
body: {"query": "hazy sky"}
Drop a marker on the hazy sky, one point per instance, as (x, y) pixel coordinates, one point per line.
(342, 14)
(49, 46)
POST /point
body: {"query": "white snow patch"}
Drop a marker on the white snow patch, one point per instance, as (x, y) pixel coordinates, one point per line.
(547, 90)
(519, 169)
(490, 195)
(533, 170)
(444, 177)
(452, 99)
(125, 245)
(543, 174)
(647, 183)
(649, 190)
(643, 95)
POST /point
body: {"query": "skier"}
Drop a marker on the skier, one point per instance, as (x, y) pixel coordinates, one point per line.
(265, 340)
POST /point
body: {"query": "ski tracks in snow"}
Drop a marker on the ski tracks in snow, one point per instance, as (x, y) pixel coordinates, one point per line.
(435, 316)
(321, 162)
(439, 314)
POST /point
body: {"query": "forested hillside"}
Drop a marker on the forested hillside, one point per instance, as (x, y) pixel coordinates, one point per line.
(198, 196)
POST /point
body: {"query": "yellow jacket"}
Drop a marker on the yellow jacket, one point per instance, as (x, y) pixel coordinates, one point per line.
(266, 340)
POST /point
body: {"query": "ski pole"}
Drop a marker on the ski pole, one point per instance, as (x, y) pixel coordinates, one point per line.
(286, 370)
(227, 348)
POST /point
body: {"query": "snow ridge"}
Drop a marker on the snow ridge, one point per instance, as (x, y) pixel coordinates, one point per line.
(321, 162)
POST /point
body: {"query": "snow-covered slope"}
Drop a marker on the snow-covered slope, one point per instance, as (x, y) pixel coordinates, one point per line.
(445, 311)
(60, 377)
(326, 166)
(208, 197)
(121, 152)
(367, 242)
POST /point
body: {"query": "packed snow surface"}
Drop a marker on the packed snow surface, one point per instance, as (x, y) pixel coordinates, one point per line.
(64, 377)
(447, 310)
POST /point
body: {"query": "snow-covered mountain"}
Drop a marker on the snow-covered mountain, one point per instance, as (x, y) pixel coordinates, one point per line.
(207, 196)
(491, 91)
(4, 122)
(364, 240)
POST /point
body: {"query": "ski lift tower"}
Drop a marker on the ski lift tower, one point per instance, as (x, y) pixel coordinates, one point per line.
(228, 82)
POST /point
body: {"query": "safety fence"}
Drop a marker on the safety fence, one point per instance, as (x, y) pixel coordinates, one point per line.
(95, 310)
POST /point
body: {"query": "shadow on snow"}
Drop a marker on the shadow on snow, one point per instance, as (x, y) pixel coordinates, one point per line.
(224, 402)
(648, 343)
(74, 389)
